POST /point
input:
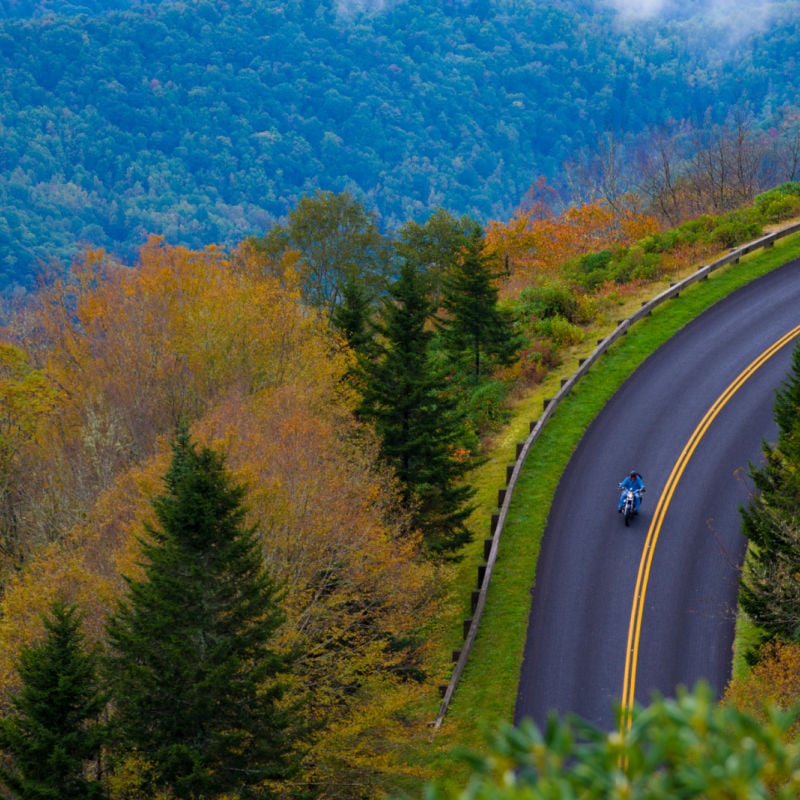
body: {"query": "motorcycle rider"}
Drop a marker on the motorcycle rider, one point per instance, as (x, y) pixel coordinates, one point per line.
(635, 482)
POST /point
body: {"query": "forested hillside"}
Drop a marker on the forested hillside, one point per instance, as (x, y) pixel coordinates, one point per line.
(205, 121)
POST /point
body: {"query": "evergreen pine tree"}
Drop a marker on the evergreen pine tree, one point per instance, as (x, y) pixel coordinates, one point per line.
(769, 590)
(196, 684)
(417, 418)
(787, 411)
(54, 733)
(352, 317)
(474, 326)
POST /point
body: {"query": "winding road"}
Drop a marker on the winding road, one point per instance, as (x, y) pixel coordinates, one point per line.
(619, 613)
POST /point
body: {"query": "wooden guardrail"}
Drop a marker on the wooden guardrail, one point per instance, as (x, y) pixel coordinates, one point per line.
(491, 545)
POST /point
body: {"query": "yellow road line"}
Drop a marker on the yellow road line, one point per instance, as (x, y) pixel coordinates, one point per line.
(643, 576)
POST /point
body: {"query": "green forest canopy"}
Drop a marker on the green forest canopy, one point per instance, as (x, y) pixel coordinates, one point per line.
(205, 121)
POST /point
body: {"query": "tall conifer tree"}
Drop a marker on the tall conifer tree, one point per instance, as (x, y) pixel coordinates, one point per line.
(787, 409)
(474, 327)
(417, 417)
(353, 315)
(196, 683)
(54, 732)
(769, 589)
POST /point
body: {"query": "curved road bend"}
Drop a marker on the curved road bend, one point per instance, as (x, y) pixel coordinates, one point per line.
(575, 657)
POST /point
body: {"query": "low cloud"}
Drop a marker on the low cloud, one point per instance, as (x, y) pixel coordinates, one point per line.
(348, 8)
(746, 15)
(735, 19)
(730, 15)
(638, 9)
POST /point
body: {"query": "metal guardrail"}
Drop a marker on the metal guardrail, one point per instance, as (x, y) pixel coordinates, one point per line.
(504, 495)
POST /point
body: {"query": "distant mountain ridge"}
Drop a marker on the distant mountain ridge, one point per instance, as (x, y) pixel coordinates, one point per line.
(205, 121)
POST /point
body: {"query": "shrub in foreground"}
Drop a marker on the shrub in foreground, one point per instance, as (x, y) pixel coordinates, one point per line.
(687, 747)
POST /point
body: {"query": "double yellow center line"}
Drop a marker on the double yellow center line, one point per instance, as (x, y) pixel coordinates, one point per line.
(637, 610)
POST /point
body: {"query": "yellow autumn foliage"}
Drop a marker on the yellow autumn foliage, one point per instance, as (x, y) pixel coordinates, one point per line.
(773, 682)
(210, 339)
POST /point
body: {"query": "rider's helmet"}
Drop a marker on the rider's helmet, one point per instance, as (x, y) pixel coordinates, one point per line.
(633, 473)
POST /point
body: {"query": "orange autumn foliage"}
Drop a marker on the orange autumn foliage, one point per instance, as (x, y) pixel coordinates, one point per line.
(353, 584)
(26, 399)
(538, 246)
(326, 518)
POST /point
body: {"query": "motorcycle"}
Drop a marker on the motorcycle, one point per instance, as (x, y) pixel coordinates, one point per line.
(629, 503)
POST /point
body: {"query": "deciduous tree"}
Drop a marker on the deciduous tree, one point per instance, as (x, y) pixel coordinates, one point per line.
(433, 246)
(726, 163)
(133, 351)
(773, 682)
(26, 398)
(339, 243)
(331, 522)
(537, 248)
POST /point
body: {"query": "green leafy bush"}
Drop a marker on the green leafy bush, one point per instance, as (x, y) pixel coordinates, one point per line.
(778, 209)
(558, 330)
(538, 359)
(486, 405)
(634, 264)
(779, 203)
(689, 747)
(550, 300)
(736, 228)
(693, 231)
(592, 270)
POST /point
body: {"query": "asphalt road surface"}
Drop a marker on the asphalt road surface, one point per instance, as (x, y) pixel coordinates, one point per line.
(619, 613)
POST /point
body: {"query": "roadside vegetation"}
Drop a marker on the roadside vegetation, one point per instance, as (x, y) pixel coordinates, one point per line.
(689, 746)
(508, 604)
(695, 745)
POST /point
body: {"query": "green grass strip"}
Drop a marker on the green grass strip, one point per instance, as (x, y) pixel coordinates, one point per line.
(487, 691)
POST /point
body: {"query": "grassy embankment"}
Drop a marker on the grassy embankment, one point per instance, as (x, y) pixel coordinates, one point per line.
(486, 692)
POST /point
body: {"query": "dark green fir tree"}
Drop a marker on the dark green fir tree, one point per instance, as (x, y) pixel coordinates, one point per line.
(54, 734)
(353, 316)
(476, 331)
(417, 416)
(787, 410)
(196, 680)
(769, 590)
